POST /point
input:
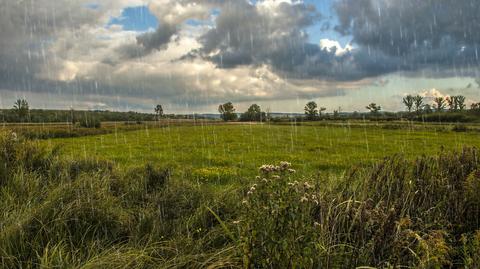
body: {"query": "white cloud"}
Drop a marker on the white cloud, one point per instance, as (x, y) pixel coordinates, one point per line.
(432, 93)
(331, 45)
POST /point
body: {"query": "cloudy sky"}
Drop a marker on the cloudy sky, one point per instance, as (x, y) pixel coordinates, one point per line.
(191, 55)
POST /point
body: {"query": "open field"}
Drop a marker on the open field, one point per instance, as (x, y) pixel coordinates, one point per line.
(360, 195)
(225, 151)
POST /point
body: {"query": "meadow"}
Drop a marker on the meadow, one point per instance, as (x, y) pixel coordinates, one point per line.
(222, 152)
(202, 195)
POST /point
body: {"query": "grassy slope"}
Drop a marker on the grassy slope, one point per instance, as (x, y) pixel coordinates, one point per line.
(223, 150)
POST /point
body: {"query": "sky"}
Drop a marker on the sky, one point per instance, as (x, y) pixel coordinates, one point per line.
(192, 55)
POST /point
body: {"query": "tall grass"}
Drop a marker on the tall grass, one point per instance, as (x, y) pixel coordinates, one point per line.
(87, 214)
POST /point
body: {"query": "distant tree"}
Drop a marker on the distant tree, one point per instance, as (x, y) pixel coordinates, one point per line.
(159, 111)
(439, 103)
(254, 113)
(418, 102)
(374, 108)
(268, 114)
(311, 110)
(427, 108)
(460, 102)
(21, 108)
(227, 111)
(408, 101)
(475, 106)
(452, 103)
(73, 117)
(336, 112)
(320, 110)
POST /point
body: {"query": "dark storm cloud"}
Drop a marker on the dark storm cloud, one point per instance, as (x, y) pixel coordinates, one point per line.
(158, 39)
(146, 43)
(246, 34)
(416, 33)
(442, 37)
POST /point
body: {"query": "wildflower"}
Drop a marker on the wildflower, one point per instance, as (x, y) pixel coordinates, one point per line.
(304, 199)
(265, 180)
(252, 189)
(292, 171)
(276, 177)
(257, 178)
(316, 224)
(268, 168)
(14, 136)
(307, 185)
(284, 166)
(236, 222)
(244, 202)
(249, 193)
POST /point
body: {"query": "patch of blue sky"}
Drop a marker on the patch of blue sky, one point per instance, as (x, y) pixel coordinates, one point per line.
(324, 29)
(138, 19)
(319, 29)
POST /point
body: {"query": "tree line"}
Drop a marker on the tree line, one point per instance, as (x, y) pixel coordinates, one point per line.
(415, 106)
(22, 113)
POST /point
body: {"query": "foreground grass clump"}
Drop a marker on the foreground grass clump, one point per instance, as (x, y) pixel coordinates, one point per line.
(84, 214)
(397, 213)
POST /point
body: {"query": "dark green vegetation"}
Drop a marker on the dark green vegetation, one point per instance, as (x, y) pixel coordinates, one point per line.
(81, 212)
(227, 112)
(41, 115)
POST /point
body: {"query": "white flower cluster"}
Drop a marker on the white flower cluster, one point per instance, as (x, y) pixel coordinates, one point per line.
(270, 168)
(285, 165)
(252, 189)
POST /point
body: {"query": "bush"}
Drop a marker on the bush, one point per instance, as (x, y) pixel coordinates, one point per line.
(277, 229)
(90, 122)
(447, 117)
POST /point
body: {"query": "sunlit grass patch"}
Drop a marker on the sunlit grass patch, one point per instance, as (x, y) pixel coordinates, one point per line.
(214, 175)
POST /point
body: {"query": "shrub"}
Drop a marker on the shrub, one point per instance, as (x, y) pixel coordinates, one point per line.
(90, 122)
(447, 117)
(278, 229)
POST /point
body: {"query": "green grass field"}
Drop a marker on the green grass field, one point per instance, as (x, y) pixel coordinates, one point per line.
(110, 200)
(216, 152)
